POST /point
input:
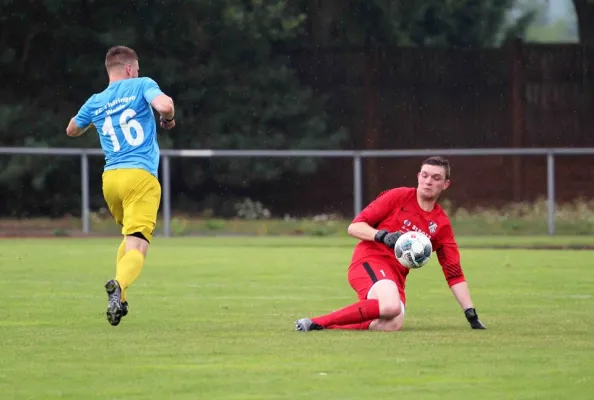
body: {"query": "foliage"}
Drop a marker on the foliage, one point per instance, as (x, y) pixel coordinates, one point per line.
(585, 15)
(218, 60)
(515, 219)
(249, 209)
(464, 23)
(557, 32)
(227, 65)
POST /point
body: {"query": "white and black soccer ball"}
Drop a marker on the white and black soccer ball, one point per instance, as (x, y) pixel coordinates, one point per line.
(413, 249)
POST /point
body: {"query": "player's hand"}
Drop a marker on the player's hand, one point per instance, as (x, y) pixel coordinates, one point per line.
(473, 319)
(387, 238)
(165, 124)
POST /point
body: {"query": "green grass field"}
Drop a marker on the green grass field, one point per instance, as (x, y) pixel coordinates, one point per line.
(213, 318)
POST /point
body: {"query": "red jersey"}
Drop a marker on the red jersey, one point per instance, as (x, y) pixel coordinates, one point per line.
(398, 210)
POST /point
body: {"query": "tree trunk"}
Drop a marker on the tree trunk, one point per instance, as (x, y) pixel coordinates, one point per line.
(585, 15)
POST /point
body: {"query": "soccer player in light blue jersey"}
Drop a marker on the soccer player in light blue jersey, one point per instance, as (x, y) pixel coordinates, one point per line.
(125, 121)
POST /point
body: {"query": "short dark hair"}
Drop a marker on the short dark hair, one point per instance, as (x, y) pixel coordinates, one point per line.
(439, 162)
(119, 55)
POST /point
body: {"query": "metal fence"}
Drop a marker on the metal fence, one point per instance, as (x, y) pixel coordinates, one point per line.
(355, 155)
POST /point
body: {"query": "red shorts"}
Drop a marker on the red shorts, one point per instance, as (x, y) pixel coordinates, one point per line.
(364, 273)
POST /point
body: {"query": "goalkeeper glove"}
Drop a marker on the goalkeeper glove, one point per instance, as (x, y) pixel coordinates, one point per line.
(472, 318)
(387, 238)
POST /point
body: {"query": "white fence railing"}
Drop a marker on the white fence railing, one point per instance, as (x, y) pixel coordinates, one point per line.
(355, 155)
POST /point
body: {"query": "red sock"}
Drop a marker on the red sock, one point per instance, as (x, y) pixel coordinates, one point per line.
(361, 326)
(362, 311)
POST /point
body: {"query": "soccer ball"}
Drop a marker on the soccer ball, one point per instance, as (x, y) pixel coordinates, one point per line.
(413, 249)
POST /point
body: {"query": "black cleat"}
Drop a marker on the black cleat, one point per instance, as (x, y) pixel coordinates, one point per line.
(115, 308)
(124, 309)
(306, 325)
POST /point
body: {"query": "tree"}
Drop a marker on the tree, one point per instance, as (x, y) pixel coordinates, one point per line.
(218, 59)
(463, 24)
(585, 15)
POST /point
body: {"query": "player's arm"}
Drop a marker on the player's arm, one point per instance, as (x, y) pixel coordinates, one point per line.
(73, 130)
(160, 102)
(449, 259)
(363, 225)
(80, 122)
(164, 106)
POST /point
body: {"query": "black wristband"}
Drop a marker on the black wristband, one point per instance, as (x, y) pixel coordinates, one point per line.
(380, 235)
(167, 120)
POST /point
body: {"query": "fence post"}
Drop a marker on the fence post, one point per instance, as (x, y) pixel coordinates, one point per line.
(166, 197)
(517, 84)
(358, 184)
(551, 192)
(84, 180)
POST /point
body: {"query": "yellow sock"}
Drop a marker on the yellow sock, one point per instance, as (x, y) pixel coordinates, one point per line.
(121, 253)
(128, 269)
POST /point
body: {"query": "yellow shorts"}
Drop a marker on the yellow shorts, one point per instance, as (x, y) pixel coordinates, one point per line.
(133, 197)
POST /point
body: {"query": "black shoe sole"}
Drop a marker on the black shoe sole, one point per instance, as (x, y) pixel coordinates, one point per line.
(114, 311)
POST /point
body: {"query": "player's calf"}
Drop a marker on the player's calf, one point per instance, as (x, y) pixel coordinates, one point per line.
(361, 311)
(387, 325)
(390, 309)
(137, 241)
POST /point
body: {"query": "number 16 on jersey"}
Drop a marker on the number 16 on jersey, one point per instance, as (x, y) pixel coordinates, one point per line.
(127, 123)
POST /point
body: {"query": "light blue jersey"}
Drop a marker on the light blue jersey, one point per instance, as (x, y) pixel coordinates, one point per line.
(125, 122)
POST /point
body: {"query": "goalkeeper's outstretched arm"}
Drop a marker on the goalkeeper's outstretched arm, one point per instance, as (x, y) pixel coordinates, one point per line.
(362, 231)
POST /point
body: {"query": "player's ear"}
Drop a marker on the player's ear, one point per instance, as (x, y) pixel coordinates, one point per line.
(446, 184)
(129, 69)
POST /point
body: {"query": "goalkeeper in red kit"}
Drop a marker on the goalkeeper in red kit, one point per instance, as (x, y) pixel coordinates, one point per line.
(377, 276)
